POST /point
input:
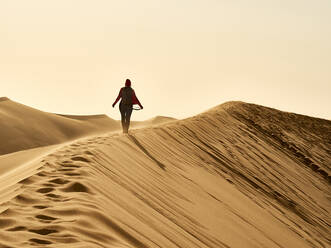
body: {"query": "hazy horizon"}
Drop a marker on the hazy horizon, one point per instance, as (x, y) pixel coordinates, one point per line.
(183, 57)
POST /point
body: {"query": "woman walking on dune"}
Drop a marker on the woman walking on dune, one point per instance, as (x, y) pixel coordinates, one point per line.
(129, 98)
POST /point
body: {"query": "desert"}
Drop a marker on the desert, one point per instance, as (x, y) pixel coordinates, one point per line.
(237, 175)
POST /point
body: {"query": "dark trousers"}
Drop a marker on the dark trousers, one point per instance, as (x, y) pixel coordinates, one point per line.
(126, 111)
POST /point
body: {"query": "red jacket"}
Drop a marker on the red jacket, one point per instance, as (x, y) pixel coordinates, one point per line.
(134, 98)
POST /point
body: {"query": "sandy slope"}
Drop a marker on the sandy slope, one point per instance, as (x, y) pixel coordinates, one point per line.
(24, 127)
(156, 121)
(239, 175)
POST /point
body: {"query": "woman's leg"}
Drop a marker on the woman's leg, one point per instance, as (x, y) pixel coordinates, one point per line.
(122, 110)
(127, 117)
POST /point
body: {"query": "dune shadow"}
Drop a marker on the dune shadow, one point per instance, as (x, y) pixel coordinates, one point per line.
(143, 149)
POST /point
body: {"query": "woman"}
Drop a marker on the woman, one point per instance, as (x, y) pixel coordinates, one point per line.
(128, 99)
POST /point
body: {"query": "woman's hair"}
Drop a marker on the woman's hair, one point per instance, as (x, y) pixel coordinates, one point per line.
(127, 83)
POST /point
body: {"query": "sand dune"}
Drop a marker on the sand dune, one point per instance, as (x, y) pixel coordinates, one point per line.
(238, 175)
(26, 127)
(156, 121)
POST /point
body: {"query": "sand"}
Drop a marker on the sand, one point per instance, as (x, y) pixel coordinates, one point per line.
(238, 175)
(27, 128)
(156, 121)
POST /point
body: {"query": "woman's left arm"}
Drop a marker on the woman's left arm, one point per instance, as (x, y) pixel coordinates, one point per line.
(118, 97)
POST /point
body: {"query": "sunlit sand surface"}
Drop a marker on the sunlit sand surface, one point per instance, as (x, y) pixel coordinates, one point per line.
(238, 175)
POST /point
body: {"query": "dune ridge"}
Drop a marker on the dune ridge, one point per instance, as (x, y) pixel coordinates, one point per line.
(238, 175)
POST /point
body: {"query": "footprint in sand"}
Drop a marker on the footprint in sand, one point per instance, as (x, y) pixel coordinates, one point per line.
(41, 241)
(66, 162)
(70, 165)
(59, 181)
(54, 196)
(28, 180)
(66, 169)
(80, 158)
(41, 174)
(40, 206)
(45, 217)
(88, 153)
(72, 174)
(43, 231)
(45, 190)
(17, 229)
(48, 185)
(76, 187)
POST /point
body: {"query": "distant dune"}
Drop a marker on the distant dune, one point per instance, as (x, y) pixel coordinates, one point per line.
(24, 127)
(236, 176)
(2, 99)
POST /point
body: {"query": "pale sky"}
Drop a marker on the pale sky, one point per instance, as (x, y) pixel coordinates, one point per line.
(183, 56)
